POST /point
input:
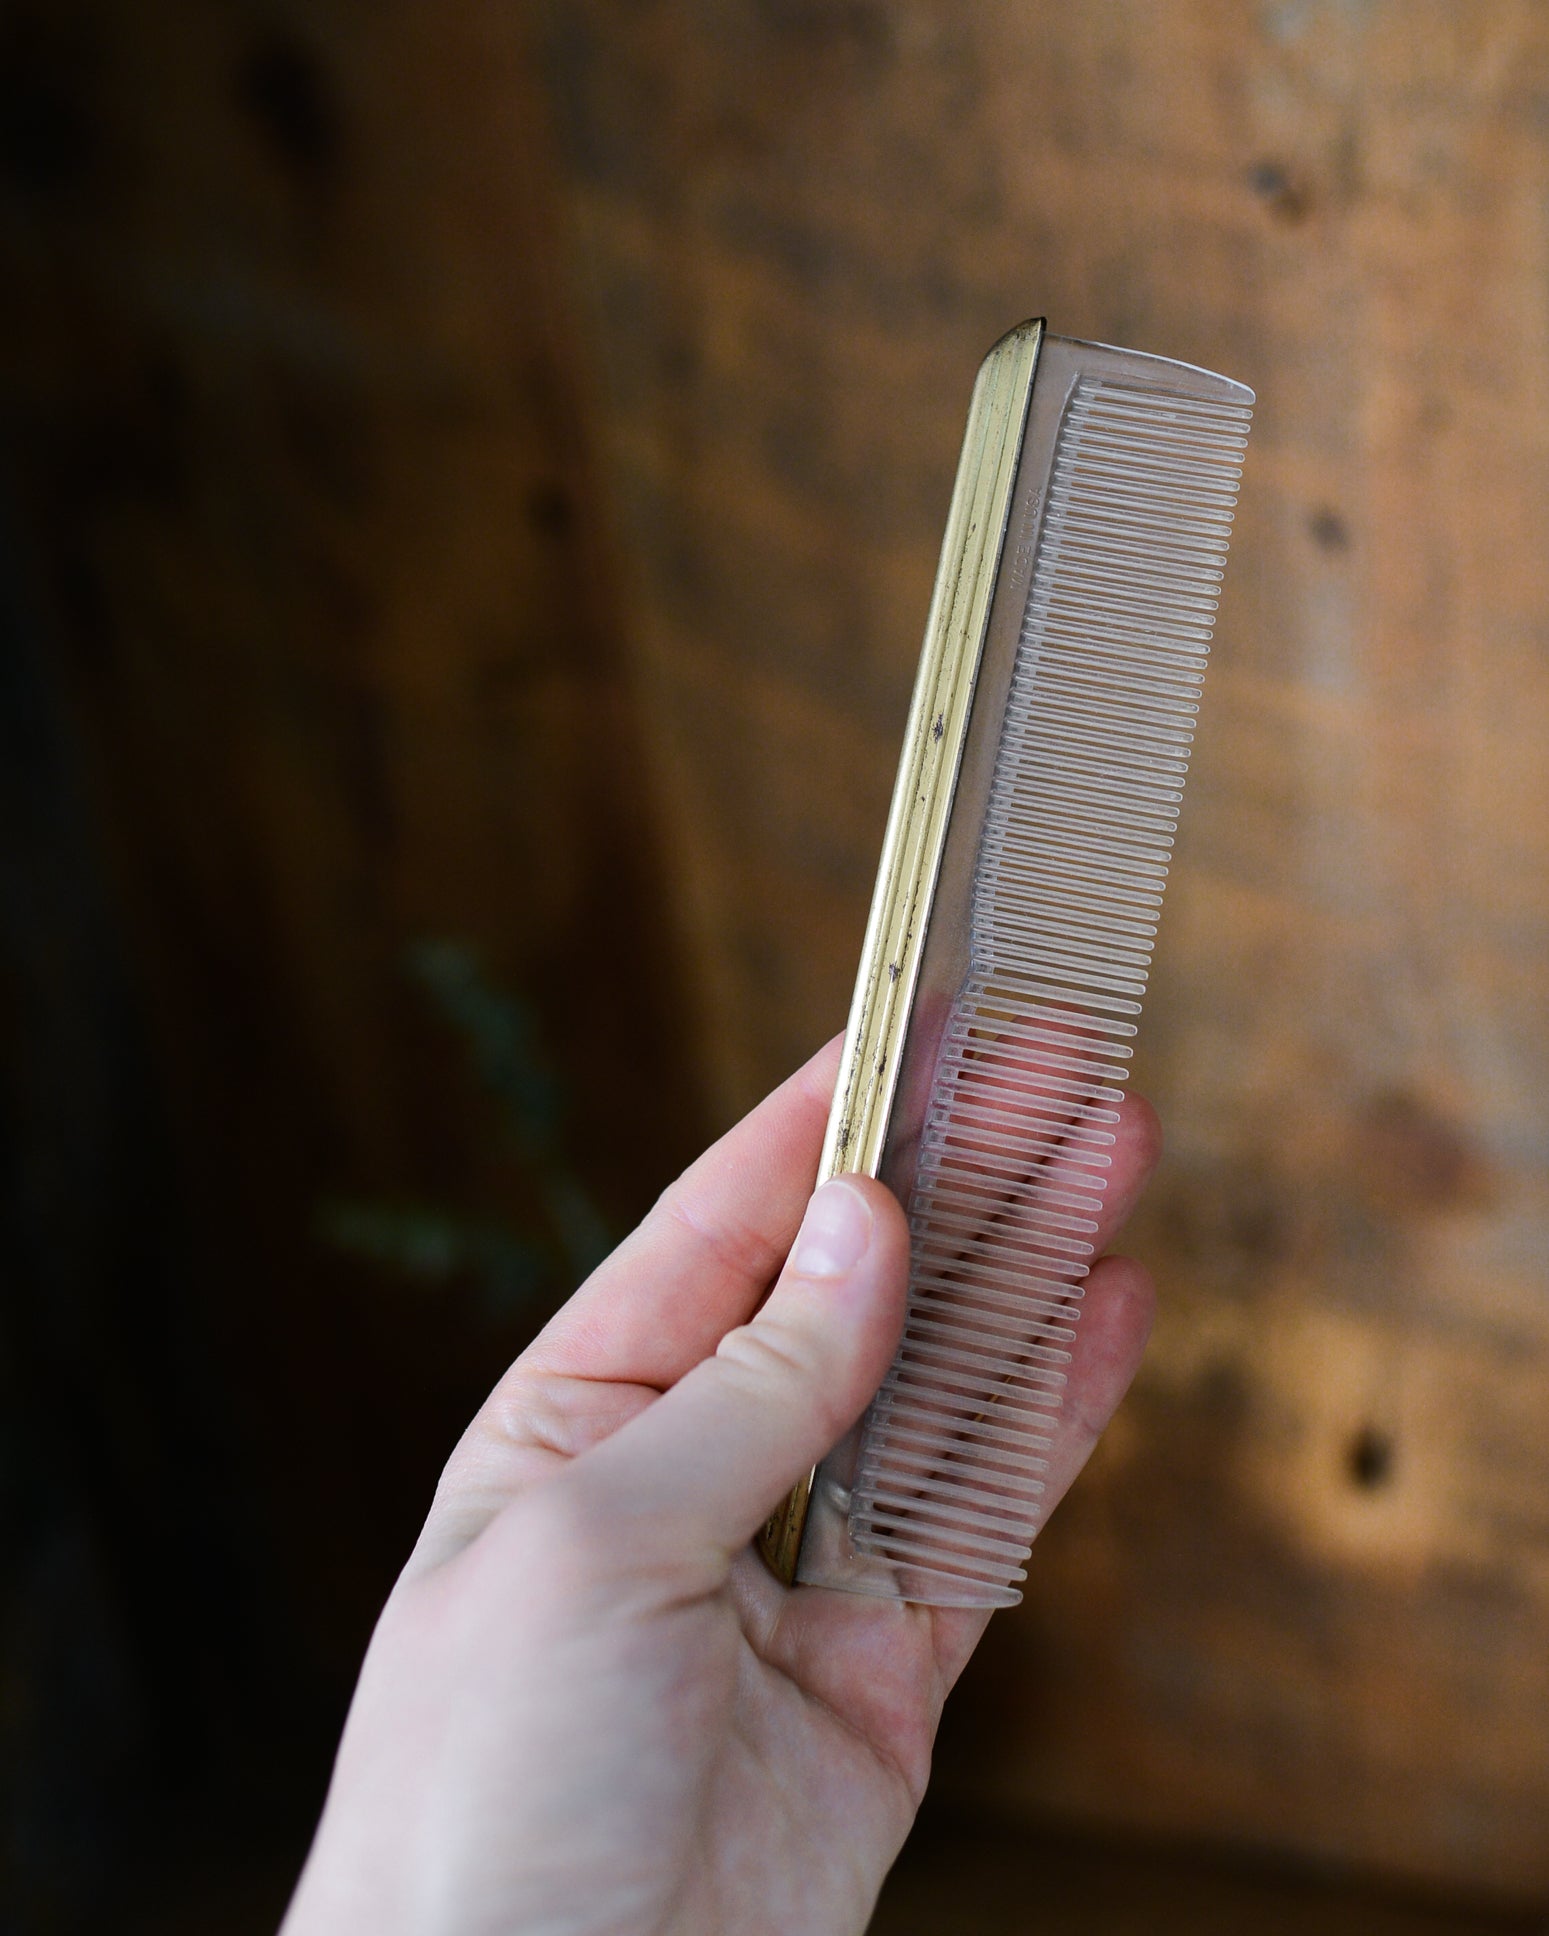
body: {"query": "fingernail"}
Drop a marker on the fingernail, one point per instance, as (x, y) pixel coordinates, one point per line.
(834, 1233)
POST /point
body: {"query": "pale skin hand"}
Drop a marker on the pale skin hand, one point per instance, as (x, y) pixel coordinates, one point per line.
(587, 1709)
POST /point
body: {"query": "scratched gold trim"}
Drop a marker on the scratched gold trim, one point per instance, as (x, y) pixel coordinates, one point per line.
(922, 801)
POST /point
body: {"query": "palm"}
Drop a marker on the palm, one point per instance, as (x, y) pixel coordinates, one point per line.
(827, 1748)
(876, 1672)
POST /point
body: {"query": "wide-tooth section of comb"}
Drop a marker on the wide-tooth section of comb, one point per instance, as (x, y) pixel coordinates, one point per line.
(1072, 860)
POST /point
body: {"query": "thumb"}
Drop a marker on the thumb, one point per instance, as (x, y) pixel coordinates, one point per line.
(693, 1477)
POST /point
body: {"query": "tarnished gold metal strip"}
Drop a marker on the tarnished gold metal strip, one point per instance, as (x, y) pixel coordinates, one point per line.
(922, 799)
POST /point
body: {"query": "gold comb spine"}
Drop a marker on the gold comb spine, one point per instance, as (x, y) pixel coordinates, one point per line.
(912, 847)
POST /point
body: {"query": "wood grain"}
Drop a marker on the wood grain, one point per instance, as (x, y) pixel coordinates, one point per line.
(998, 1877)
(297, 433)
(1302, 1597)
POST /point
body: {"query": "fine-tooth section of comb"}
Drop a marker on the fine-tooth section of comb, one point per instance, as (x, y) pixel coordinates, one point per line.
(1014, 1157)
(1011, 937)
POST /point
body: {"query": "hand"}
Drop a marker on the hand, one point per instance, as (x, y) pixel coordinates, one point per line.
(587, 1707)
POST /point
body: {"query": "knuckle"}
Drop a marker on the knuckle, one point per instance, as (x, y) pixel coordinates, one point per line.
(773, 1356)
(735, 1247)
(524, 1411)
(769, 1350)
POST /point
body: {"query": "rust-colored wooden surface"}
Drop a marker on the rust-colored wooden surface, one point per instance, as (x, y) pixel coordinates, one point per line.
(298, 488)
(999, 1877)
(1302, 1598)
(295, 404)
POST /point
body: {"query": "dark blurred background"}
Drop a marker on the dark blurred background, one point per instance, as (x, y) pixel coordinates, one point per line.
(471, 481)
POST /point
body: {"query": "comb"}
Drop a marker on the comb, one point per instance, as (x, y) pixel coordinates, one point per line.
(1010, 939)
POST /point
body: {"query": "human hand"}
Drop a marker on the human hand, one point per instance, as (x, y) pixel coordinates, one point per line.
(588, 1709)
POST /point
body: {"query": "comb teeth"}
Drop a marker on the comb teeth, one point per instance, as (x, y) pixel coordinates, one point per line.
(1072, 861)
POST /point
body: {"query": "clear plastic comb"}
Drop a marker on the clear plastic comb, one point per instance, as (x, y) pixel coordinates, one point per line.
(1010, 939)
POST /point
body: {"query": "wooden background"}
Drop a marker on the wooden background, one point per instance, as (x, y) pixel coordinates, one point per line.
(312, 602)
(1303, 1596)
(478, 472)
